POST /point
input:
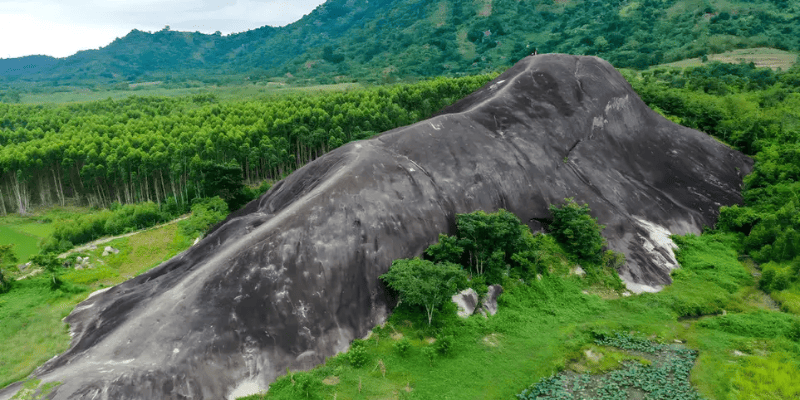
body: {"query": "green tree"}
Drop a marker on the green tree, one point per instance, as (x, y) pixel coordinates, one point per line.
(489, 239)
(423, 283)
(446, 250)
(577, 230)
(50, 263)
(7, 256)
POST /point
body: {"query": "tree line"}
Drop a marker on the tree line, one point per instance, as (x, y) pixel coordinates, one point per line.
(144, 149)
(757, 111)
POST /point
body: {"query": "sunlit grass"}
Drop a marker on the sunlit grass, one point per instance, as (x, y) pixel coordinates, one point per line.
(762, 57)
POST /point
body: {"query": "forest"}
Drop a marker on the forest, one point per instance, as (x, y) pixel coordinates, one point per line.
(144, 149)
(387, 41)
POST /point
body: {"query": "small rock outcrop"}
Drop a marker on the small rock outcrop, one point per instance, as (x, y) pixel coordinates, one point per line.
(466, 301)
(109, 250)
(489, 303)
(292, 278)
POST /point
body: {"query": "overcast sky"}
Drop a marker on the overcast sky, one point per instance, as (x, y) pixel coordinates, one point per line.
(60, 28)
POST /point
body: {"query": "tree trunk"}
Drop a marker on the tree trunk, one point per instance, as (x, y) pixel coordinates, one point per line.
(20, 193)
(3, 203)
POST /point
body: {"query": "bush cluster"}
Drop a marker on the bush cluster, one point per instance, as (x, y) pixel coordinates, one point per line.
(121, 219)
(577, 230)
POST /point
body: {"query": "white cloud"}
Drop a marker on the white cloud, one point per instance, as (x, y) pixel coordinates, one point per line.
(61, 28)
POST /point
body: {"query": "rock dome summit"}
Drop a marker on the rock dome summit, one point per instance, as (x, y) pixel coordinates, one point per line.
(292, 277)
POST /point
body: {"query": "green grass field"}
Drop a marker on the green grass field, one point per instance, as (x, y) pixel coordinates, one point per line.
(25, 232)
(25, 237)
(762, 57)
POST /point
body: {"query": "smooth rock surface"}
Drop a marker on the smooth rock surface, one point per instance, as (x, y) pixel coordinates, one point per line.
(466, 301)
(578, 270)
(489, 303)
(293, 277)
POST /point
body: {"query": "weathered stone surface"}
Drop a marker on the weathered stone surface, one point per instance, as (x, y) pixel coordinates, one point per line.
(578, 270)
(489, 303)
(466, 301)
(293, 277)
(109, 250)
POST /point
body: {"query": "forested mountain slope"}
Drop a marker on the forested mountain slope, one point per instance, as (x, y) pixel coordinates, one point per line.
(385, 40)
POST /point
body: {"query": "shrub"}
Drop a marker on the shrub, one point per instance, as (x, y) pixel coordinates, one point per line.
(297, 385)
(760, 324)
(402, 346)
(205, 213)
(4, 286)
(767, 276)
(357, 356)
(577, 230)
(444, 344)
(430, 354)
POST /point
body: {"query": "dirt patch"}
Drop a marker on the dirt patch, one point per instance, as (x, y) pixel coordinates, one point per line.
(492, 340)
(487, 8)
(144, 84)
(396, 336)
(592, 356)
(331, 380)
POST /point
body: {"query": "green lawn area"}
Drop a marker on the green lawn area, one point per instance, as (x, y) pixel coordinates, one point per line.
(25, 237)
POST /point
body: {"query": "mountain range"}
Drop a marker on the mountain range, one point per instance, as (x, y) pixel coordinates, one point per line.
(383, 41)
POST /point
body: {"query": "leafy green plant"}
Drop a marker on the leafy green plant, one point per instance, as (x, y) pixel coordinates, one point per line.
(447, 249)
(423, 283)
(205, 213)
(444, 344)
(489, 240)
(50, 263)
(402, 346)
(665, 378)
(430, 353)
(357, 355)
(577, 231)
(295, 385)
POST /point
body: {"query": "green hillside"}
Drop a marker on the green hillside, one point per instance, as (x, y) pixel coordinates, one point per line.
(387, 40)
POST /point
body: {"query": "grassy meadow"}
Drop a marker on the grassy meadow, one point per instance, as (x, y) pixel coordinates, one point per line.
(762, 57)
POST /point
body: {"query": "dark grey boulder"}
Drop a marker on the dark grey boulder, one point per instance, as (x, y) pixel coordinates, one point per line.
(293, 277)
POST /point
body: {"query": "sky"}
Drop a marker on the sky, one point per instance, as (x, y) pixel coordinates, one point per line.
(60, 28)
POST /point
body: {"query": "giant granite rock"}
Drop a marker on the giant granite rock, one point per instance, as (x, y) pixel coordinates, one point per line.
(293, 277)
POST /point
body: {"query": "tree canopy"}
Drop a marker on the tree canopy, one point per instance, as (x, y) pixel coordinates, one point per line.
(423, 283)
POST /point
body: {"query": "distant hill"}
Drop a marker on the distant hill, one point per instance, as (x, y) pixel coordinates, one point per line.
(25, 65)
(387, 40)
